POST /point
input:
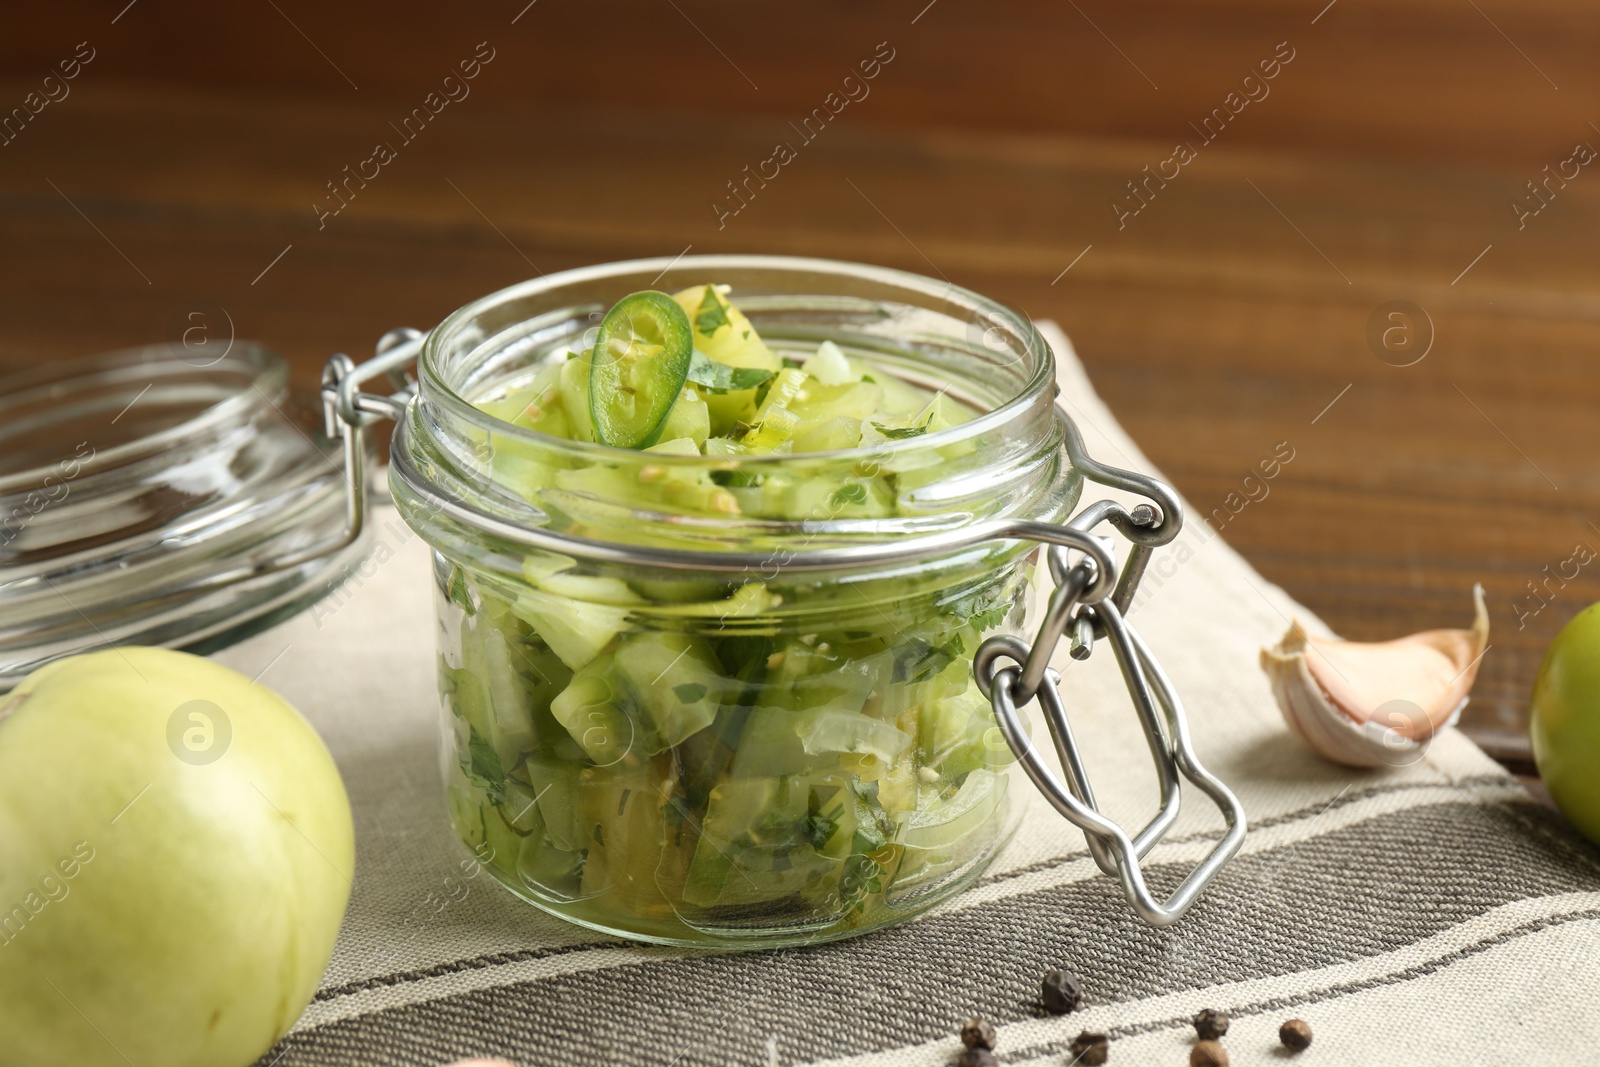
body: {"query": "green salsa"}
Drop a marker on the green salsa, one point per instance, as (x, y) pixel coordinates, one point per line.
(723, 758)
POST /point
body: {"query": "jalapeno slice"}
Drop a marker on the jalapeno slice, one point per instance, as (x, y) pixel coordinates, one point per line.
(638, 366)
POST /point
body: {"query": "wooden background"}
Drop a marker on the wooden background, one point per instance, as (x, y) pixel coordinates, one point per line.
(1230, 314)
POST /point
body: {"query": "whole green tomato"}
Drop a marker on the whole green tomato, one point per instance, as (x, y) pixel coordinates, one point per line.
(176, 854)
(1564, 721)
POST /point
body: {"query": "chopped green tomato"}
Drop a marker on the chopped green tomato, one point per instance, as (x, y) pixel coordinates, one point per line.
(576, 615)
(942, 413)
(538, 406)
(735, 398)
(783, 391)
(760, 841)
(574, 387)
(577, 631)
(689, 418)
(899, 397)
(769, 747)
(749, 601)
(956, 736)
(814, 676)
(639, 364)
(555, 786)
(512, 464)
(853, 498)
(466, 816)
(945, 832)
(556, 873)
(830, 367)
(819, 402)
(596, 713)
(829, 731)
(778, 741)
(675, 680)
(520, 809)
(829, 435)
(722, 332)
(625, 811)
(675, 446)
(776, 429)
(723, 446)
(513, 461)
(502, 844)
(510, 710)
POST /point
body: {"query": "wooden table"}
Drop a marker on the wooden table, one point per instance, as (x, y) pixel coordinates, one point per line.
(1228, 316)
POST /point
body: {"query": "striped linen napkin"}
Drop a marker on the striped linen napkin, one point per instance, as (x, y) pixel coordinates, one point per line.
(1419, 915)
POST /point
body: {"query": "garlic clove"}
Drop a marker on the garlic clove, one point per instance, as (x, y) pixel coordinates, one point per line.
(1375, 704)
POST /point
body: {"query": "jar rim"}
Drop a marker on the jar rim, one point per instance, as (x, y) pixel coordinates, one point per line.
(42, 390)
(442, 470)
(437, 389)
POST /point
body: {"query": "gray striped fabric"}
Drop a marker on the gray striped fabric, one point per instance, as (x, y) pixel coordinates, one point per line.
(1420, 915)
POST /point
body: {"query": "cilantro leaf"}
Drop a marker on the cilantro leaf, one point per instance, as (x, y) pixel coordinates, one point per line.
(982, 610)
(988, 620)
(737, 479)
(920, 660)
(900, 433)
(715, 377)
(710, 316)
(818, 828)
(458, 592)
(689, 692)
(481, 764)
(850, 493)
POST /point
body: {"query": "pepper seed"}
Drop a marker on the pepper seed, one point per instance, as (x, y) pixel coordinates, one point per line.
(1295, 1035)
(1061, 991)
(1090, 1049)
(1211, 1024)
(1208, 1054)
(977, 1033)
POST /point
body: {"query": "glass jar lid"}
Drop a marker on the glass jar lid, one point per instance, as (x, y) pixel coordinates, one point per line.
(150, 498)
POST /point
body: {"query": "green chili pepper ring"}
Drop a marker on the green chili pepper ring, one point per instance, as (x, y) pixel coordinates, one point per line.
(637, 369)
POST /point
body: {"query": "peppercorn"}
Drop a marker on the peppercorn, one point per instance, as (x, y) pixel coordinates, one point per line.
(1211, 1024)
(1295, 1035)
(1062, 992)
(1208, 1054)
(977, 1033)
(1090, 1049)
(977, 1057)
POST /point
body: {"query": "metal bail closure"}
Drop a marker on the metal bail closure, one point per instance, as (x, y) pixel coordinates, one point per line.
(1160, 714)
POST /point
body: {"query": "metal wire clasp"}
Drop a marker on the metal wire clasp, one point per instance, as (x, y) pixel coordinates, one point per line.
(1086, 603)
(347, 412)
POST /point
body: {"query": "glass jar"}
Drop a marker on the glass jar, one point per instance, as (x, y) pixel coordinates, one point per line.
(676, 712)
